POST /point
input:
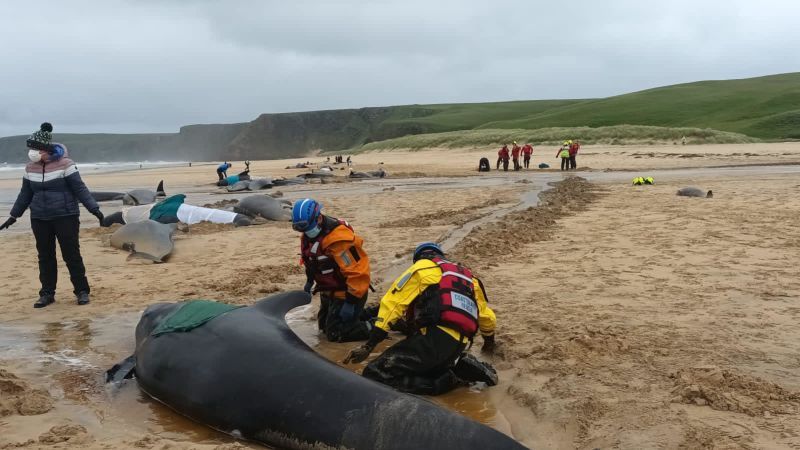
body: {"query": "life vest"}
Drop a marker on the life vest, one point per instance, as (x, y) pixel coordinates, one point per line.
(451, 303)
(573, 149)
(564, 153)
(322, 267)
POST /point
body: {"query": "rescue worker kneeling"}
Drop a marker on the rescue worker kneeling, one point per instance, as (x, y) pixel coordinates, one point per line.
(335, 261)
(445, 307)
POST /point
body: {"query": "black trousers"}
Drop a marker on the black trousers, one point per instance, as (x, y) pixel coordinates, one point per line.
(526, 161)
(516, 164)
(335, 328)
(65, 230)
(420, 364)
(219, 174)
(572, 163)
(564, 163)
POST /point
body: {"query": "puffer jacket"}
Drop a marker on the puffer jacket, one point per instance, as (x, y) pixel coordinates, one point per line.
(52, 189)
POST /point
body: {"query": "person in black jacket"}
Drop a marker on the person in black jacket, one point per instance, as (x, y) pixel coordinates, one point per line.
(51, 188)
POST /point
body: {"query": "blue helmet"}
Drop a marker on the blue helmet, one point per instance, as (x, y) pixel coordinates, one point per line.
(305, 213)
(427, 247)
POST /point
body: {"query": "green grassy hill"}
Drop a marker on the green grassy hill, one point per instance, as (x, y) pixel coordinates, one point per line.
(765, 107)
(614, 135)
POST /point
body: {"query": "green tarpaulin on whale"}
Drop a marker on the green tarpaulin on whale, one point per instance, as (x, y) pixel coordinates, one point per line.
(191, 315)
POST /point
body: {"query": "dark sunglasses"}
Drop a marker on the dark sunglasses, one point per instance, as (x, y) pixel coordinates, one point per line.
(302, 225)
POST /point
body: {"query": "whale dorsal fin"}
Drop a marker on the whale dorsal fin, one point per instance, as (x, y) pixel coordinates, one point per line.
(279, 304)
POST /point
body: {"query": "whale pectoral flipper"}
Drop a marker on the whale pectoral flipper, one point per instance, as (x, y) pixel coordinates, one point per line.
(122, 370)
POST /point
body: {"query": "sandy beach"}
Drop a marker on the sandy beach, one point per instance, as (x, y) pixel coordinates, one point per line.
(628, 317)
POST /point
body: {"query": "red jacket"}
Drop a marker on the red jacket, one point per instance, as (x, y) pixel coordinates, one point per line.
(573, 149)
(527, 149)
(503, 153)
(515, 152)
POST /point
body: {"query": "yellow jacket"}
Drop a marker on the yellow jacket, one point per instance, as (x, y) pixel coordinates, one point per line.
(412, 283)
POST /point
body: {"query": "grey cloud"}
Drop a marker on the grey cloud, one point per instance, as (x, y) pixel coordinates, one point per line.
(125, 66)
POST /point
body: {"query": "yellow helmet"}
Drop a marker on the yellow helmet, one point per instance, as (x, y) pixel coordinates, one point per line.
(569, 141)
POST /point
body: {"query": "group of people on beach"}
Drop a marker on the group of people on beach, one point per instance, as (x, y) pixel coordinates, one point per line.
(568, 153)
(438, 304)
(504, 156)
(339, 159)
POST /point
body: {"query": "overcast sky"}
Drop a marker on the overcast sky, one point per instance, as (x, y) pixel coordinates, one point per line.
(152, 66)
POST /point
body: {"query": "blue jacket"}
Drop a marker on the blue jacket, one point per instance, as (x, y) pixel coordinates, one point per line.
(224, 167)
(52, 190)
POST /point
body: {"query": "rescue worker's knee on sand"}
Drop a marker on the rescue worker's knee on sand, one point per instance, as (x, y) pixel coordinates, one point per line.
(469, 368)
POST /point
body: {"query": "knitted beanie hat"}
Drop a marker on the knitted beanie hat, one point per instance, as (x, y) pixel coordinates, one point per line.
(40, 140)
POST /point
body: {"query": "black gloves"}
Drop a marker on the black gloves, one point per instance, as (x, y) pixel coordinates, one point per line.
(99, 216)
(309, 285)
(8, 223)
(488, 345)
(358, 354)
(361, 353)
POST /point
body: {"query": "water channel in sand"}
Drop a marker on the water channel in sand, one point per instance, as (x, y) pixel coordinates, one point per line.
(75, 354)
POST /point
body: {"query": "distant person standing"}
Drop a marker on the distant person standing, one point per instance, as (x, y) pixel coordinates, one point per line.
(503, 156)
(222, 170)
(349, 161)
(515, 151)
(51, 188)
(573, 153)
(527, 151)
(563, 153)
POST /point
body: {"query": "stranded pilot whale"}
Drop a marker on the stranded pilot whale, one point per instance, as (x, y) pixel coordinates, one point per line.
(133, 197)
(247, 374)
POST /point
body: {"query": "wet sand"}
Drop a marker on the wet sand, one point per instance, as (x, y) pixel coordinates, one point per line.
(628, 317)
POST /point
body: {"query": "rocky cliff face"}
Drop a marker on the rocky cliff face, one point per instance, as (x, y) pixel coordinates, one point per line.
(192, 143)
(270, 136)
(294, 134)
